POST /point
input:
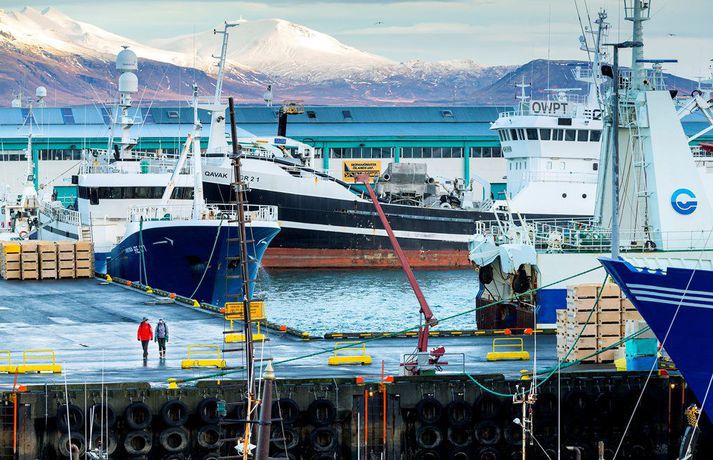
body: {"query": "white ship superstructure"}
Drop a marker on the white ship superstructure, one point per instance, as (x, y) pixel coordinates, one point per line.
(551, 146)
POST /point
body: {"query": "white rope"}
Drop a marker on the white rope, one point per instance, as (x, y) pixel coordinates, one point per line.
(207, 265)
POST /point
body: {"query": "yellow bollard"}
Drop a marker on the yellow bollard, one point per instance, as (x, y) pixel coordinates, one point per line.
(172, 384)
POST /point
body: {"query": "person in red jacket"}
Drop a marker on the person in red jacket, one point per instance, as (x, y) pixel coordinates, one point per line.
(145, 335)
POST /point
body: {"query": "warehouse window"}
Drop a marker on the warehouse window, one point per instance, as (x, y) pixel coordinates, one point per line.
(172, 114)
(347, 114)
(311, 114)
(446, 113)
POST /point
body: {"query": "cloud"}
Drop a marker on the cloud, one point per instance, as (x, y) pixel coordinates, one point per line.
(416, 29)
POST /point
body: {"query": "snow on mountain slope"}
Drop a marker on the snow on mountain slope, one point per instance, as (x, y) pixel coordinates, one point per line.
(280, 48)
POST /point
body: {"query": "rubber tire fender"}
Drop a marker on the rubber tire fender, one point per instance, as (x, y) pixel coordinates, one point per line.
(286, 408)
(207, 410)
(283, 454)
(459, 413)
(138, 434)
(210, 437)
(428, 454)
(113, 441)
(487, 433)
(62, 445)
(429, 410)
(429, 431)
(174, 413)
(291, 437)
(76, 418)
(109, 415)
(460, 454)
(485, 274)
(460, 436)
(317, 437)
(487, 407)
(487, 453)
(322, 456)
(546, 406)
(168, 437)
(211, 456)
(138, 415)
(512, 434)
(322, 412)
(173, 457)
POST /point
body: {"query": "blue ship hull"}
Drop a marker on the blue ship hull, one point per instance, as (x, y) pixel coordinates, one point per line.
(191, 260)
(678, 306)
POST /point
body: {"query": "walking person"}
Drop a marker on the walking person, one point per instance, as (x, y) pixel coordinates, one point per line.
(144, 335)
(161, 338)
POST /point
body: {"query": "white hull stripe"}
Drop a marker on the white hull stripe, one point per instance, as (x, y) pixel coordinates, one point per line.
(653, 289)
(675, 303)
(638, 292)
(376, 232)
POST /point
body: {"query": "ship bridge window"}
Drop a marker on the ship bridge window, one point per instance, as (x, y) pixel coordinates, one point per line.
(521, 134)
(532, 134)
(582, 135)
(570, 135)
(557, 134)
(513, 134)
(545, 134)
(501, 135)
(595, 136)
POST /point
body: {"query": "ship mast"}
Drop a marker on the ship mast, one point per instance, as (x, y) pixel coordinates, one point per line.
(217, 142)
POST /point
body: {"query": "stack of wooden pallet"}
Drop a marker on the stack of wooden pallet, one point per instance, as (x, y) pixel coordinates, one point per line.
(586, 335)
(10, 261)
(29, 260)
(47, 251)
(32, 260)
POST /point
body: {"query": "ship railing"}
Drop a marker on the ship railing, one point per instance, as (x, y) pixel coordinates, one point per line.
(59, 213)
(214, 212)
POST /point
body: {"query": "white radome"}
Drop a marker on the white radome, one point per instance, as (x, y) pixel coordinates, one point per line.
(128, 83)
(41, 92)
(126, 60)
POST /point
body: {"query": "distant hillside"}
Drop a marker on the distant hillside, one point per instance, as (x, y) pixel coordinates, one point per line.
(75, 61)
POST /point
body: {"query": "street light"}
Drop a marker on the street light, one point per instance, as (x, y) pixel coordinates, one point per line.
(613, 72)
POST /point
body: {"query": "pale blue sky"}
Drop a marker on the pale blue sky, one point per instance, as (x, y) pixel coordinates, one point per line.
(487, 31)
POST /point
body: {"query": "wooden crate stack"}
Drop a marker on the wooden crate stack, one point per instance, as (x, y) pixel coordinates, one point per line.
(605, 327)
(65, 259)
(32, 260)
(47, 251)
(10, 261)
(84, 259)
(29, 261)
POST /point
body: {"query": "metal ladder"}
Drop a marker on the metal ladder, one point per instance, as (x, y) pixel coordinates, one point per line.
(86, 233)
(7, 414)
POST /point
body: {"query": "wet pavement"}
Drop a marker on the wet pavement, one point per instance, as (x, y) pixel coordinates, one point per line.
(91, 326)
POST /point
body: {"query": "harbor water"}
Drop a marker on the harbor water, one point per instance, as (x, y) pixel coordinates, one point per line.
(322, 301)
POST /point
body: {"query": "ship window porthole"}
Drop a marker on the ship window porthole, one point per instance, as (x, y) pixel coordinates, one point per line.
(564, 195)
(584, 195)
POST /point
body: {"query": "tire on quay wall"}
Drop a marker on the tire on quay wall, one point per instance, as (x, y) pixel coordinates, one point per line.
(487, 407)
(209, 437)
(287, 409)
(545, 407)
(427, 454)
(459, 436)
(459, 413)
(111, 441)
(322, 412)
(323, 439)
(211, 456)
(207, 410)
(76, 418)
(283, 454)
(174, 440)
(174, 413)
(429, 410)
(284, 437)
(487, 453)
(512, 434)
(62, 445)
(429, 437)
(138, 442)
(138, 415)
(487, 433)
(104, 415)
(460, 454)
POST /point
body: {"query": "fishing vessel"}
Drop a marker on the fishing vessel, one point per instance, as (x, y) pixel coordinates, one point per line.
(192, 251)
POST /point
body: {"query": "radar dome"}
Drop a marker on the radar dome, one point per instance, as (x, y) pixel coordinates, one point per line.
(128, 83)
(126, 60)
(41, 92)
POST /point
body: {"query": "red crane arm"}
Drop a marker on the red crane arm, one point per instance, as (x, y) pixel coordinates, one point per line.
(429, 319)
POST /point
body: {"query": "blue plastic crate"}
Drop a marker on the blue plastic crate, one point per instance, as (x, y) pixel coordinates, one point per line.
(642, 347)
(641, 363)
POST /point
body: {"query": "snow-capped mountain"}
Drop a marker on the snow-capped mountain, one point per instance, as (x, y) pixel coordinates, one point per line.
(75, 61)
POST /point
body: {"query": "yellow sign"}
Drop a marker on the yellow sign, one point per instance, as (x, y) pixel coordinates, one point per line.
(234, 310)
(353, 168)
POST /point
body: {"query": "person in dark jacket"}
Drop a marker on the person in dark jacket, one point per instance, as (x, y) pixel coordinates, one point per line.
(145, 335)
(161, 338)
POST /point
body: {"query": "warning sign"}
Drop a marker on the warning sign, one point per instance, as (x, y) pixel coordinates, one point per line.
(353, 168)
